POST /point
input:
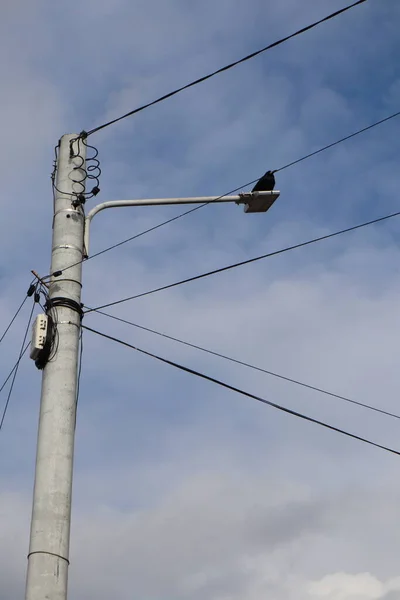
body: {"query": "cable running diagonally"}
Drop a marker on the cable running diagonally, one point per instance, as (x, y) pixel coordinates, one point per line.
(223, 69)
(244, 393)
(21, 353)
(250, 366)
(247, 262)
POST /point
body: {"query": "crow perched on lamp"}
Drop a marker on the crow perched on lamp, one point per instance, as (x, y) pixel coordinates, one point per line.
(266, 183)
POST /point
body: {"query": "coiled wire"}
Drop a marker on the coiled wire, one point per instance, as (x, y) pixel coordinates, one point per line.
(89, 171)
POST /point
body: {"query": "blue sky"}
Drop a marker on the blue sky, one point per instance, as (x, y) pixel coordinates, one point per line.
(182, 490)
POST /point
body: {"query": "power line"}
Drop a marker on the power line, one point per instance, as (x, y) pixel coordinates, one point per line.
(29, 293)
(80, 367)
(14, 367)
(250, 366)
(223, 69)
(137, 235)
(148, 230)
(187, 212)
(78, 384)
(13, 319)
(22, 352)
(344, 139)
(244, 393)
(246, 262)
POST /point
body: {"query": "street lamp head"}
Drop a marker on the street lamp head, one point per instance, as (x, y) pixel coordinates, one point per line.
(257, 202)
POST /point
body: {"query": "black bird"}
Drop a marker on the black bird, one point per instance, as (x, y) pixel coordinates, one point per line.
(266, 183)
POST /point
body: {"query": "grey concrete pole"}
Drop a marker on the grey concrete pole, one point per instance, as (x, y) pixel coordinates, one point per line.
(48, 558)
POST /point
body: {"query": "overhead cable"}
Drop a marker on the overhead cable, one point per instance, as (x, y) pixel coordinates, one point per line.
(246, 262)
(223, 69)
(15, 369)
(250, 366)
(248, 394)
(29, 293)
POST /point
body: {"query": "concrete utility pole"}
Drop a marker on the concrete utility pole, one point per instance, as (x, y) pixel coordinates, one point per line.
(48, 557)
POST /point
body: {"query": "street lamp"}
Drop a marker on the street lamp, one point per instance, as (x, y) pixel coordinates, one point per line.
(254, 202)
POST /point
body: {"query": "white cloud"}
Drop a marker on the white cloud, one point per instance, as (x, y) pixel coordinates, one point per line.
(341, 586)
(222, 536)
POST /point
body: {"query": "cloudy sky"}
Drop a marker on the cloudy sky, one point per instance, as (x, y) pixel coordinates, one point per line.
(182, 490)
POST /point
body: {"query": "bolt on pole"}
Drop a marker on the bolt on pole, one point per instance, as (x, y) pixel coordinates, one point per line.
(48, 558)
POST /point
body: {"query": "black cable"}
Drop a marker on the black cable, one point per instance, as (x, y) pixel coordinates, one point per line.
(344, 139)
(137, 235)
(134, 237)
(239, 391)
(191, 210)
(245, 262)
(55, 302)
(13, 319)
(80, 367)
(29, 293)
(22, 351)
(143, 232)
(14, 367)
(53, 176)
(78, 383)
(250, 366)
(88, 169)
(226, 68)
